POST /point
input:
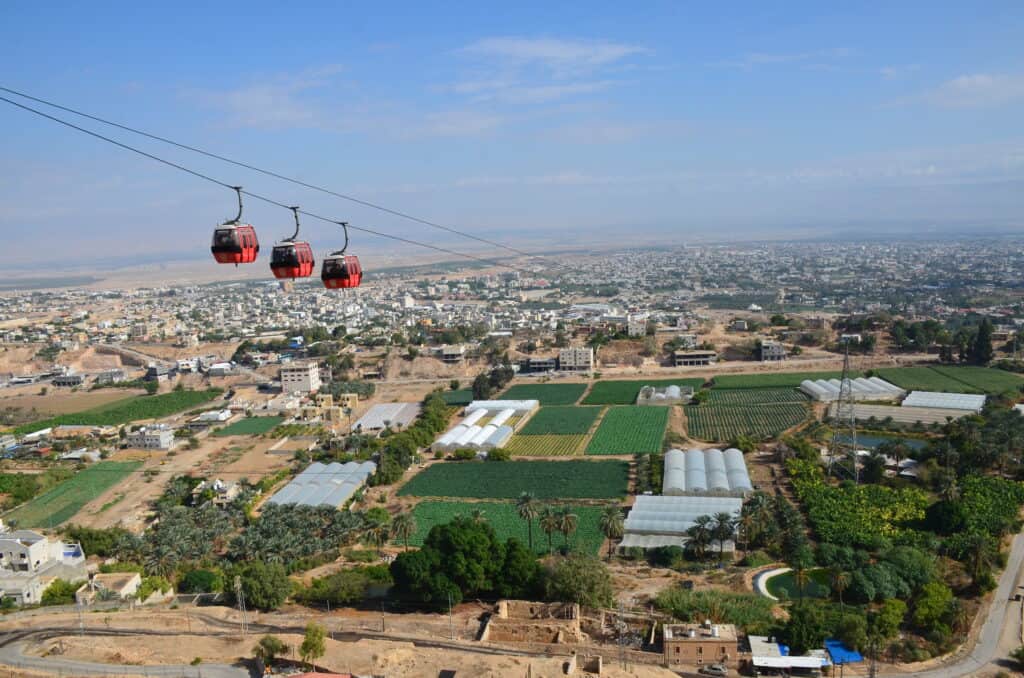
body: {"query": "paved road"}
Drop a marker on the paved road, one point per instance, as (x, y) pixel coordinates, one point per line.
(13, 655)
(1003, 615)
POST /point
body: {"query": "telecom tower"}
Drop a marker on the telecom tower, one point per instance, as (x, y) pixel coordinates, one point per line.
(845, 422)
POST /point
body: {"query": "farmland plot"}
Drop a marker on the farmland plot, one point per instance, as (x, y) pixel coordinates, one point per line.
(547, 394)
(458, 398)
(124, 411)
(507, 480)
(755, 396)
(545, 446)
(250, 426)
(630, 430)
(924, 379)
(625, 392)
(983, 379)
(722, 423)
(506, 522)
(63, 501)
(567, 420)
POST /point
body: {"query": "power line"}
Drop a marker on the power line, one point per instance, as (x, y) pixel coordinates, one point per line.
(270, 173)
(257, 196)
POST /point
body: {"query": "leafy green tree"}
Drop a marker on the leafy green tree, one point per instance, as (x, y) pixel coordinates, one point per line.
(981, 350)
(268, 648)
(889, 617)
(580, 578)
(932, 606)
(266, 585)
(806, 627)
(527, 508)
(59, 592)
(201, 581)
(853, 630)
(520, 573)
(313, 645)
(340, 588)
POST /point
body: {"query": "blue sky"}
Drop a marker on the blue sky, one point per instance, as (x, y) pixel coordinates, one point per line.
(523, 121)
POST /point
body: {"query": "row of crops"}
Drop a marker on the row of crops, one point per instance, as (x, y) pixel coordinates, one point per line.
(502, 516)
(547, 394)
(61, 502)
(723, 423)
(951, 379)
(545, 446)
(630, 430)
(754, 396)
(576, 479)
(567, 420)
(625, 392)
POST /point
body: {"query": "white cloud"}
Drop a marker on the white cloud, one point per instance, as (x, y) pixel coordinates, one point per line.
(455, 124)
(898, 72)
(819, 59)
(978, 90)
(560, 56)
(520, 93)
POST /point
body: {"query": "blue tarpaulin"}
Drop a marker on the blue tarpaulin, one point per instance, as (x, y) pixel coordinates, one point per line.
(841, 654)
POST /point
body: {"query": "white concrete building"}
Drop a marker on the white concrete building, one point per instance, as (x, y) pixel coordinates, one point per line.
(29, 562)
(301, 377)
(576, 359)
(159, 437)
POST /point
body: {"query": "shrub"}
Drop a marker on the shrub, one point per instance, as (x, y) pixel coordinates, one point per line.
(751, 611)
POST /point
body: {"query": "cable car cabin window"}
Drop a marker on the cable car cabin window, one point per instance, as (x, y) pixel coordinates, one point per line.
(226, 238)
(335, 268)
(285, 255)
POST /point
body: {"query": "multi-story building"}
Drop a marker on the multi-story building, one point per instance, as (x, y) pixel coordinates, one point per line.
(159, 437)
(771, 351)
(694, 358)
(699, 644)
(29, 562)
(300, 377)
(576, 359)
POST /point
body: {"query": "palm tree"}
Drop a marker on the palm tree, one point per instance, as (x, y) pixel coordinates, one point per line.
(840, 582)
(527, 508)
(377, 534)
(549, 523)
(567, 523)
(612, 525)
(700, 536)
(403, 527)
(477, 515)
(802, 577)
(723, 528)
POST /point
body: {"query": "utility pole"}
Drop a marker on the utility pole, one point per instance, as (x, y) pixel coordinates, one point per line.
(240, 594)
(451, 626)
(845, 423)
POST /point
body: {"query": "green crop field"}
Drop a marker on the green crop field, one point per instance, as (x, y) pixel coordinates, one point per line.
(754, 396)
(625, 392)
(773, 379)
(125, 411)
(629, 430)
(506, 522)
(722, 423)
(547, 394)
(545, 446)
(561, 420)
(983, 378)
(923, 379)
(578, 479)
(62, 502)
(250, 426)
(461, 397)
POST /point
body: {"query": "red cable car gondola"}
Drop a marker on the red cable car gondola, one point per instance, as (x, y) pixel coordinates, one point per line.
(340, 270)
(235, 242)
(292, 258)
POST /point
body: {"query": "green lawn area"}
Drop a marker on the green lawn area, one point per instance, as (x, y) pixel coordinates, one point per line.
(773, 379)
(62, 502)
(506, 522)
(250, 426)
(128, 410)
(625, 392)
(463, 396)
(547, 394)
(561, 420)
(578, 479)
(630, 429)
(785, 586)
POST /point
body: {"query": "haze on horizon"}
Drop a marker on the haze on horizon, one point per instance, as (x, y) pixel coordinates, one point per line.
(532, 121)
